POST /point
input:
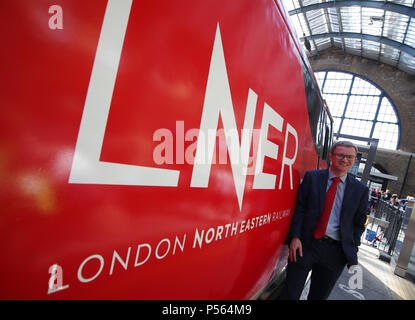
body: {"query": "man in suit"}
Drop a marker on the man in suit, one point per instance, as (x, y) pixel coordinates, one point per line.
(375, 195)
(327, 225)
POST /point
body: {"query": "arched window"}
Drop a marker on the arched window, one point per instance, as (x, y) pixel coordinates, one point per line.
(360, 108)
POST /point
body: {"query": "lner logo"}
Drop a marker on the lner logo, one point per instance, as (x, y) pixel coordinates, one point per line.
(88, 169)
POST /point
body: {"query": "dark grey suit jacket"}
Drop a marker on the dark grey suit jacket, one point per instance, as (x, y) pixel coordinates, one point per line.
(309, 207)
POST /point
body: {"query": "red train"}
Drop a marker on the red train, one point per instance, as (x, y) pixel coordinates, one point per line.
(151, 149)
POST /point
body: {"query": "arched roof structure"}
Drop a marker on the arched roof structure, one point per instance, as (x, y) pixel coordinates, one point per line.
(383, 31)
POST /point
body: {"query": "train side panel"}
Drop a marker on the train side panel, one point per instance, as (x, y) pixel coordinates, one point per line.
(109, 182)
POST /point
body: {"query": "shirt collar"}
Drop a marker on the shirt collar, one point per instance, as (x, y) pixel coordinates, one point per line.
(332, 175)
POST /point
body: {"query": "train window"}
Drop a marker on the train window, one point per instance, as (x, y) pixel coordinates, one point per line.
(319, 117)
(326, 136)
(327, 143)
(320, 132)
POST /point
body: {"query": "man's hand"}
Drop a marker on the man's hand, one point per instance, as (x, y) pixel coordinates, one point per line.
(294, 246)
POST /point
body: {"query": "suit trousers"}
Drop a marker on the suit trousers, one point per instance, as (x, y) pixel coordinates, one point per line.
(326, 261)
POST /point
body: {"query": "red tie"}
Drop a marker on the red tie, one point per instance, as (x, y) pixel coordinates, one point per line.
(320, 230)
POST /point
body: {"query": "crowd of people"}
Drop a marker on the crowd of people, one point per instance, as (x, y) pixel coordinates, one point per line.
(387, 196)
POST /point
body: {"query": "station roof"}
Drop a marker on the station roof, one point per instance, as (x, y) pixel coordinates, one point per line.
(383, 31)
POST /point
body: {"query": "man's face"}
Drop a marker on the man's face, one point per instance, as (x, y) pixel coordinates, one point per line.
(339, 159)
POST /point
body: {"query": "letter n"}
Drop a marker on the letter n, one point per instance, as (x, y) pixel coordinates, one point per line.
(218, 102)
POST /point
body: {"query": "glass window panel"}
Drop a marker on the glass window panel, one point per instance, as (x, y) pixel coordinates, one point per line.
(356, 127)
(337, 82)
(336, 124)
(353, 141)
(387, 134)
(386, 112)
(362, 104)
(371, 48)
(333, 19)
(404, 2)
(336, 103)
(361, 86)
(372, 21)
(339, 76)
(410, 35)
(350, 19)
(289, 5)
(308, 2)
(353, 43)
(370, 54)
(320, 78)
(320, 75)
(389, 54)
(355, 51)
(338, 42)
(395, 25)
(362, 107)
(407, 62)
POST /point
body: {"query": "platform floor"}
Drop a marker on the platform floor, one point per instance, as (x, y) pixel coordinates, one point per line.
(377, 281)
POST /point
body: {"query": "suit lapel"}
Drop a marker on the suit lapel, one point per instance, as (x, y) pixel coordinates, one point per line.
(323, 187)
(347, 198)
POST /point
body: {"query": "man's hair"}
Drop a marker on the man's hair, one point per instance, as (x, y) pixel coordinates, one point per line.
(347, 144)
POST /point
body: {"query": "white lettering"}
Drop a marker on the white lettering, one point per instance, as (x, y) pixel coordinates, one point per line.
(181, 245)
(56, 274)
(191, 135)
(208, 239)
(289, 161)
(356, 280)
(158, 256)
(219, 233)
(173, 310)
(198, 238)
(136, 264)
(88, 169)
(234, 228)
(218, 102)
(179, 142)
(165, 147)
(94, 256)
(267, 148)
(56, 21)
(123, 263)
(86, 166)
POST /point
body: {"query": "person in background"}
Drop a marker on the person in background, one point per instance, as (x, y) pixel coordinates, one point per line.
(327, 225)
(404, 202)
(394, 201)
(387, 195)
(375, 195)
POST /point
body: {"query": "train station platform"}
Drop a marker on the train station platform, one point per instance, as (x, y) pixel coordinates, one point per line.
(377, 282)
